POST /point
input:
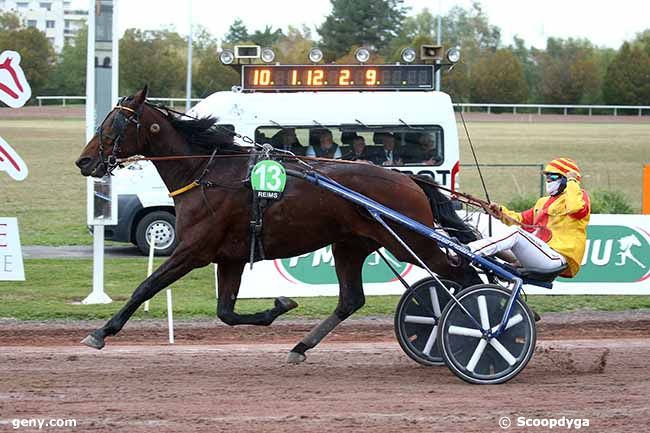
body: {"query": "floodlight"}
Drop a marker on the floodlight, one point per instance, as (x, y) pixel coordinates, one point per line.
(362, 55)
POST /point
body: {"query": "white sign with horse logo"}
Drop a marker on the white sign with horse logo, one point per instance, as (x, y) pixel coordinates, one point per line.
(15, 91)
(11, 162)
(14, 88)
(11, 256)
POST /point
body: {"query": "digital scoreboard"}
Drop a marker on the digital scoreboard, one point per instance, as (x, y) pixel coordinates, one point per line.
(337, 77)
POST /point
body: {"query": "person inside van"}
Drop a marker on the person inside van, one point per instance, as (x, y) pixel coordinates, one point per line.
(326, 147)
(286, 139)
(359, 151)
(425, 152)
(388, 155)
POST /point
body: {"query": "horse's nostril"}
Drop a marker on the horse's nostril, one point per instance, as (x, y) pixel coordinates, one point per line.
(83, 162)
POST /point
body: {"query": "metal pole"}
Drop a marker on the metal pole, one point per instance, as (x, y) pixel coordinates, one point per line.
(90, 73)
(439, 41)
(170, 317)
(152, 249)
(115, 55)
(188, 90)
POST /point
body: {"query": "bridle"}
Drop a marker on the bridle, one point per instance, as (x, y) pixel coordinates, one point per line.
(118, 131)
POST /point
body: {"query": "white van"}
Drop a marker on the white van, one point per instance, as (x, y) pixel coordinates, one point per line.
(421, 123)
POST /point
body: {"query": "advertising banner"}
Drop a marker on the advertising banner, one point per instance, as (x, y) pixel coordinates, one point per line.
(616, 261)
(11, 256)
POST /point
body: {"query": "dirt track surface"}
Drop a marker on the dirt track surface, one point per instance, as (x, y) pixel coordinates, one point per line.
(236, 380)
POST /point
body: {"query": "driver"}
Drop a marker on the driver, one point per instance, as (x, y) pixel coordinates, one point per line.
(554, 231)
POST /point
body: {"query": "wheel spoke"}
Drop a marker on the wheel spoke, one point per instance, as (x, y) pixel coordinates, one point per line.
(467, 332)
(505, 354)
(483, 312)
(514, 320)
(423, 320)
(434, 300)
(476, 356)
(430, 341)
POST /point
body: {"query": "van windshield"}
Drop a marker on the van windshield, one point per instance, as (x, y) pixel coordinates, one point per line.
(382, 145)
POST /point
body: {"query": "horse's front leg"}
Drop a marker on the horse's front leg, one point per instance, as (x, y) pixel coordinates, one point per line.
(180, 263)
(349, 256)
(229, 280)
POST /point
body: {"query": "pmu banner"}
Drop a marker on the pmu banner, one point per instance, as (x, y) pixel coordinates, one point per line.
(616, 262)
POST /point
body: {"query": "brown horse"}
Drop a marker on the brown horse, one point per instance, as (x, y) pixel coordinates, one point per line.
(213, 220)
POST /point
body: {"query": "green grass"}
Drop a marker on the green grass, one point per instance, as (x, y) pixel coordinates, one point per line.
(53, 289)
(611, 156)
(51, 203)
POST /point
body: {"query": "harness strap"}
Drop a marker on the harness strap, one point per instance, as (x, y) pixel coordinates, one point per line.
(186, 188)
(121, 107)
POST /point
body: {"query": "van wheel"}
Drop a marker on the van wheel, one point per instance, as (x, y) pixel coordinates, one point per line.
(162, 226)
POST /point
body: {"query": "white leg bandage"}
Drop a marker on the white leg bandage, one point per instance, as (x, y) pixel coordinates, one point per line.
(530, 251)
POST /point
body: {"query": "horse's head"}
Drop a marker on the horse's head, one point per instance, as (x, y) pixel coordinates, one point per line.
(121, 134)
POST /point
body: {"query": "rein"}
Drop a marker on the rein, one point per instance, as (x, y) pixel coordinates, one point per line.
(477, 202)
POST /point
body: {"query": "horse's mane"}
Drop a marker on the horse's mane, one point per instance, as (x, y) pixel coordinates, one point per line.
(203, 134)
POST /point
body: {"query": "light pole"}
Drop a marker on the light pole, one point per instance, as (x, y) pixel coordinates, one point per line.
(439, 41)
(188, 89)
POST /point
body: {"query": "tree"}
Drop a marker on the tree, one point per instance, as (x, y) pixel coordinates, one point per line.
(9, 21)
(371, 23)
(208, 74)
(526, 57)
(415, 29)
(69, 74)
(628, 77)
(293, 48)
(643, 40)
(471, 31)
(237, 33)
(569, 72)
(499, 78)
(155, 57)
(37, 56)
(266, 38)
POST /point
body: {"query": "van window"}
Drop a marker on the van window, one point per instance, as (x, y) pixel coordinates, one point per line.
(380, 145)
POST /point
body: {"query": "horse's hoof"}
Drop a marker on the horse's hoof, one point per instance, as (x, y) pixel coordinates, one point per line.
(286, 304)
(296, 358)
(94, 342)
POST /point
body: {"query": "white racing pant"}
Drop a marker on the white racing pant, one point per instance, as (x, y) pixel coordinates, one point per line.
(531, 251)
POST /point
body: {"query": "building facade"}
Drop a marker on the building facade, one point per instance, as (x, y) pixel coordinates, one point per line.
(55, 18)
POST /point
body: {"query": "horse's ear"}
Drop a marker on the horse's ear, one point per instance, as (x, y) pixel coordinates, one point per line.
(141, 96)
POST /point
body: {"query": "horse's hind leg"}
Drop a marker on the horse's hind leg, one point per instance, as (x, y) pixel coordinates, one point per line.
(229, 280)
(349, 256)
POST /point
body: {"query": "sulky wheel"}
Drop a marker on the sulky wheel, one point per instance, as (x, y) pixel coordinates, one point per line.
(478, 359)
(416, 319)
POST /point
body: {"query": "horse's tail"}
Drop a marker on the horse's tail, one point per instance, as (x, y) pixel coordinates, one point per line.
(444, 212)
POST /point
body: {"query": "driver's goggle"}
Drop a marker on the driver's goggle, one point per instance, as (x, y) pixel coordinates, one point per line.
(552, 177)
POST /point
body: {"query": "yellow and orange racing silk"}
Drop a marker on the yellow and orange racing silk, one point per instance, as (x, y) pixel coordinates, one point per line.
(562, 223)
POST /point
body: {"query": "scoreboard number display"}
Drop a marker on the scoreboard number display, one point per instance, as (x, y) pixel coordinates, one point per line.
(337, 77)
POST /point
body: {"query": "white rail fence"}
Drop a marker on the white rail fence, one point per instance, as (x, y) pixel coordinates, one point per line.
(464, 107)
(82, 100)
(566, 109)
